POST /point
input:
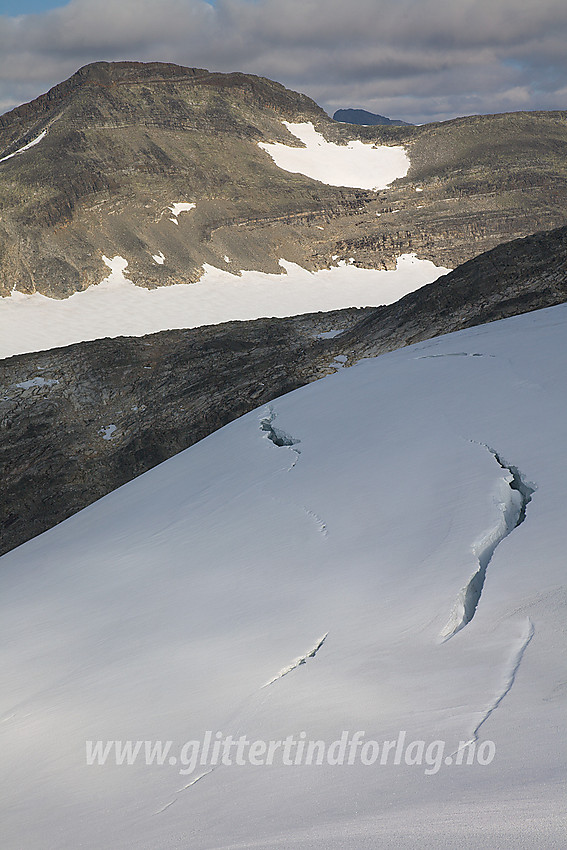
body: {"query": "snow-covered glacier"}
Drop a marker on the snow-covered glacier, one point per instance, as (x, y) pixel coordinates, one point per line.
(293, 575)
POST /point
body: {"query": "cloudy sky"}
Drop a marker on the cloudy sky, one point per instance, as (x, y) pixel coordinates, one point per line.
(420, 60)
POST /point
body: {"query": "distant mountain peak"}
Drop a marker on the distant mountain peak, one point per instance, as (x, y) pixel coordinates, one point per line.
(362, 116)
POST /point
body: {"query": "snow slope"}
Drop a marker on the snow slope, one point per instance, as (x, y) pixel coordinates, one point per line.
(365, 166)
(294, 573)
(117, 307)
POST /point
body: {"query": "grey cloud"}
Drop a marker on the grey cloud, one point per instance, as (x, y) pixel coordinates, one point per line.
(415, 59)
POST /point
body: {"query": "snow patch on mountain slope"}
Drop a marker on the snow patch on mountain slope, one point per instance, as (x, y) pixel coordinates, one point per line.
(117, 266)
(177, 209)
(38, 381)
(357, 164)
(159, 612)
(29, 145)
(117, 307)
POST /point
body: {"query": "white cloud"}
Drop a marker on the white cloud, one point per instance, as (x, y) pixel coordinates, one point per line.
(420, 61)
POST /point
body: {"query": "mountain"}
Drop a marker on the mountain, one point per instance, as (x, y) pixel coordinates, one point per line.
(79, 421)
(363, 574)
(367, 119)
(366, 570)
(144, 161)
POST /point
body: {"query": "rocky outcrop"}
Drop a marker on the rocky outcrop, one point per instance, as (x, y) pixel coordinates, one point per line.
(77, 422)
(523, 275)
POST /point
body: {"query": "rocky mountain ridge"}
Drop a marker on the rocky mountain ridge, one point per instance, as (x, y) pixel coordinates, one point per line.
(126, 140)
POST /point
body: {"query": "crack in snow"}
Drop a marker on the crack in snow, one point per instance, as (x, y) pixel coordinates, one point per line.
(318, 520)
(298, 662)
(453, 354)
(518, 483)
(515, 495)
(163, 808)
(195, 780)
(513, 668)
(277, 436)
(283, 672)
(184, 788)
(313, 517)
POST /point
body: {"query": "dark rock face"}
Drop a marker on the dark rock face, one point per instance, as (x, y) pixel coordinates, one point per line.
(127, 139)
(368, 119)
(77, 422)
(517, 277)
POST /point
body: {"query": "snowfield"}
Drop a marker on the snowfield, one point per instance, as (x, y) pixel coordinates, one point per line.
(357, 164)
(117, 307)
(293, 574)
